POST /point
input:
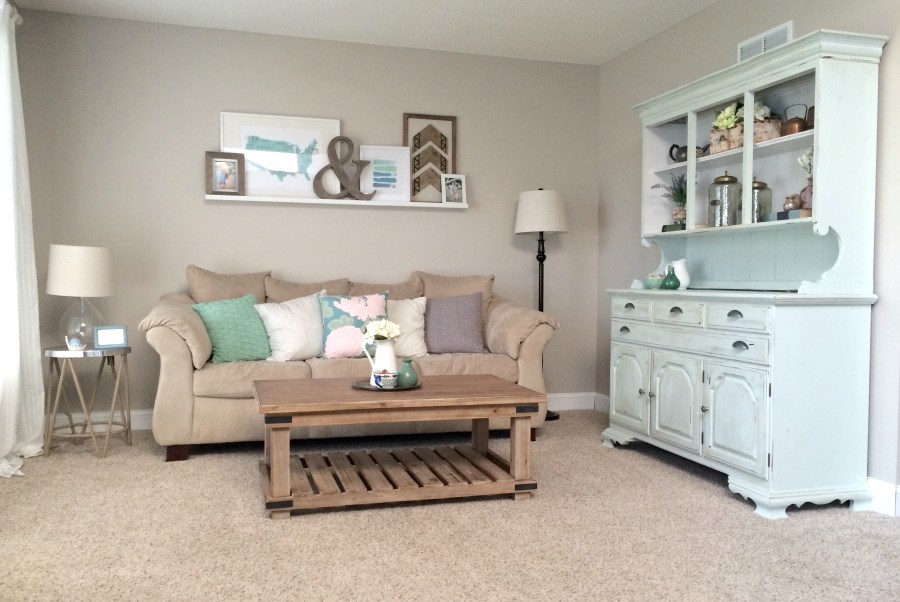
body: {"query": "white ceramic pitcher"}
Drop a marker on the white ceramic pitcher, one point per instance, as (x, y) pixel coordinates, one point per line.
(681, 272)
(385, 359)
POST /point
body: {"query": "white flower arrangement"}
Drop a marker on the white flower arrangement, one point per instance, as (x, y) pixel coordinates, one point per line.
(381, 330)
(733, 114)
(806, 161)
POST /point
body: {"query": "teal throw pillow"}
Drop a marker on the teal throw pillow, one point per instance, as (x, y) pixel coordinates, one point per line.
(235, 329)
(344, 322)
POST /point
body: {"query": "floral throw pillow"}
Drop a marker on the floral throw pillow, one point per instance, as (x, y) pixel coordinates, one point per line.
(344, 322)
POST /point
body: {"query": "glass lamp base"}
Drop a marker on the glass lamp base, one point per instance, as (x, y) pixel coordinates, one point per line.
(77, 325)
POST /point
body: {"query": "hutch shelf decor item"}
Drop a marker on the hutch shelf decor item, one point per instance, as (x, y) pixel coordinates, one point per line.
(761, 368)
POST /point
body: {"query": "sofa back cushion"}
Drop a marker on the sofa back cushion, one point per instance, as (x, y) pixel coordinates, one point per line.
(435, 287)
(205, 286)
(235, 329)
(283, 290)
(294, 328)
(410, 289)
(344, 322)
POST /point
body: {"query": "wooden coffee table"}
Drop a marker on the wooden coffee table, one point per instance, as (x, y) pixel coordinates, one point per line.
(381, 476)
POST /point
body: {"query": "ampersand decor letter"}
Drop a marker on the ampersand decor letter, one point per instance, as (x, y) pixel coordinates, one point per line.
(336, 162)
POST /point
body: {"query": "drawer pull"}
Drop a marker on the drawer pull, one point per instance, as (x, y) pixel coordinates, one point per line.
(704, 409)
(625, 330)
(641, 391)
(735, 313)
(740, 345)
(629, 305)
(651, 394)
(676, 310)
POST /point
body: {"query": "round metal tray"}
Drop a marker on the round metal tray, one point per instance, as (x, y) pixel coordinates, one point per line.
(365, 386)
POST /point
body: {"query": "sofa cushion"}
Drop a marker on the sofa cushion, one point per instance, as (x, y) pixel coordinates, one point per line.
(294, 327)
(409, 315)
(344, 321)
(235, 329)
(453, 324)
(409, 289)
(497, 364)
(282, 290)
(206, 286)
(235, 379)
(435, 286)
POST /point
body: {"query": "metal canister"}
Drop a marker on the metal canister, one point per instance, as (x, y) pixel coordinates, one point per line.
(761, 197)
(727, 190)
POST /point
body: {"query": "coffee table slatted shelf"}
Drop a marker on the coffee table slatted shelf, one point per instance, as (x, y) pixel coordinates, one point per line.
(341, 479)
(335, 479)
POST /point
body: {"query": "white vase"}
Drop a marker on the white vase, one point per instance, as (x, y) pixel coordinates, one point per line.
(384, 361)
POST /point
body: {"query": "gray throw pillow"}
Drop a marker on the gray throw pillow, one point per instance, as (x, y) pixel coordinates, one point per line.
(453, 324)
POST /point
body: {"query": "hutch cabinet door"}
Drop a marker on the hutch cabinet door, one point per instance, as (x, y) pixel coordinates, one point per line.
(675, 391)
(628, 385)
(736, 416)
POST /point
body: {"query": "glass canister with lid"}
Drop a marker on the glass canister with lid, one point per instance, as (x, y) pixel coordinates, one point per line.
(761, 199)
(724, 201)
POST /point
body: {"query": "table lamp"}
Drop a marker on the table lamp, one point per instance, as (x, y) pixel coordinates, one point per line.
(80, 272)
(541, 211)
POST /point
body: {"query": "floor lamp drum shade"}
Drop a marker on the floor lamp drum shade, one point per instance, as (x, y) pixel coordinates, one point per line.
(541, 211)
(80, 272)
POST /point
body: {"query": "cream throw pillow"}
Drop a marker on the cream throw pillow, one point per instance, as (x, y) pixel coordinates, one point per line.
(294, 328)
(409, 315)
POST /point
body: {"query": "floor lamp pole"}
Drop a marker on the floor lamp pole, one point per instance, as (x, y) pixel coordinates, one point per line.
(541, 258)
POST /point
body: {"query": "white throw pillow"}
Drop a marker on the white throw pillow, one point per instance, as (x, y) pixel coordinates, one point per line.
(294, 328)
(409, 315)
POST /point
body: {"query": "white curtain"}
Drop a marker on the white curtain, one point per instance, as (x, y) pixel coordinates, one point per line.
(21, 386)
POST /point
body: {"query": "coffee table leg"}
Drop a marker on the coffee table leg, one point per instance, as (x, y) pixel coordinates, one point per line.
(480, 434)
(278, 455)
(520, 451)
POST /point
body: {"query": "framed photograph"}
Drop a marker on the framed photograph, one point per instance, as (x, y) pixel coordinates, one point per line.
(453, 189)
(282, 154)
(106, 337)
(432, 144)
(224, 173)
(387, 172)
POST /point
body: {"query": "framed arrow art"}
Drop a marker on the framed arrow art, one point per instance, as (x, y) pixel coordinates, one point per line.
(432, 146)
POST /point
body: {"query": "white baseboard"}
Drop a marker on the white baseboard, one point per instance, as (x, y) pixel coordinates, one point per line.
(885, 498)
(560, 402)
(141, 420)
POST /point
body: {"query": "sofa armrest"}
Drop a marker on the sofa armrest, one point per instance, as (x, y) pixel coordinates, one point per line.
(174, 312)
(507, 326)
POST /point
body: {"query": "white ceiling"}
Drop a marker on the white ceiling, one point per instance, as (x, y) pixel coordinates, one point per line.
(588, 32)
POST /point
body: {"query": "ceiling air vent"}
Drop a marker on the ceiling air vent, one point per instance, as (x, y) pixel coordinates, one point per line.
(765, 41)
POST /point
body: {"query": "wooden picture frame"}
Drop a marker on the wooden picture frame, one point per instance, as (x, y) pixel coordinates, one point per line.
(453, 189)
(283, 154)
(432, 144)
(224, 173)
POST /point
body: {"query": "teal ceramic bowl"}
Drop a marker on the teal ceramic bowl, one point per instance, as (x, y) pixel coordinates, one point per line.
(653, 281)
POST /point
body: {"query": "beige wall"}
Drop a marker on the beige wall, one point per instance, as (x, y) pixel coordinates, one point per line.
(119, 114)
(694, 48)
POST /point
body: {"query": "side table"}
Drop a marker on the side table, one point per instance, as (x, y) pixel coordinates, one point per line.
(62, 364)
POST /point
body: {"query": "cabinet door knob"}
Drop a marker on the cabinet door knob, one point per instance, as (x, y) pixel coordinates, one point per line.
(624, 330)
(651, 394)
(629, 305)
(735, 313)
(641, 391)
(704, 409)
(740, 345)
(676, 310)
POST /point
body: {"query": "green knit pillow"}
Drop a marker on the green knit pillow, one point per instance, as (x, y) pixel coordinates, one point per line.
(235, 329)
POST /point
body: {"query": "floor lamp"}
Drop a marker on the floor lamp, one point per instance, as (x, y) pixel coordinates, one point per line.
(541, 211)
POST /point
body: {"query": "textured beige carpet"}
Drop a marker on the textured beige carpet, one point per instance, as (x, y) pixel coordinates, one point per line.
(625, 524)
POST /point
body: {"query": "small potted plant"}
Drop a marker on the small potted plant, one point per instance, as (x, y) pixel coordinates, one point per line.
(728, 127)
(677, 193)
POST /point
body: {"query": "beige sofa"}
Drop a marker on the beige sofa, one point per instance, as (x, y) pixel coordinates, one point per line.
(199, 401)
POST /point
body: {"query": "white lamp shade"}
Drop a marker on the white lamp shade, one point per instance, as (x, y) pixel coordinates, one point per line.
(541, 211)
(80, 271)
